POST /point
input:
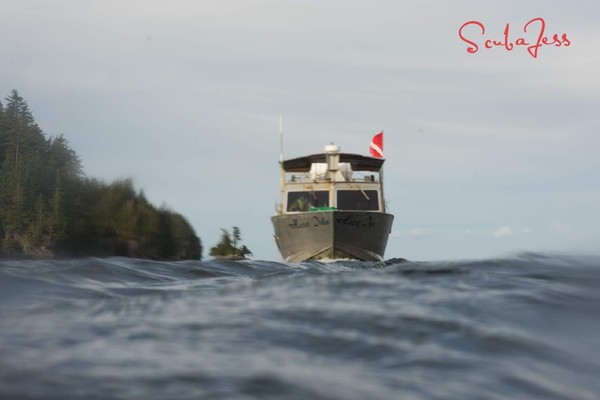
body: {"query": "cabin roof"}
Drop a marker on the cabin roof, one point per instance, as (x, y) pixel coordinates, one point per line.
(357, 161)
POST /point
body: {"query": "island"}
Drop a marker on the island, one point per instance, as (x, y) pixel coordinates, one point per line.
(229, 247)
(49, 208)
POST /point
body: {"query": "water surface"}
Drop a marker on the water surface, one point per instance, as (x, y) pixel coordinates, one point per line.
(524, 327)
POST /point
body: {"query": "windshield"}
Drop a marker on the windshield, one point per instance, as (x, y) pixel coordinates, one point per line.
(303, 201)
(357, 200)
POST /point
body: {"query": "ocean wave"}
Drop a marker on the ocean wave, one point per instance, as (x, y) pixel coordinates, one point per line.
(516, 327)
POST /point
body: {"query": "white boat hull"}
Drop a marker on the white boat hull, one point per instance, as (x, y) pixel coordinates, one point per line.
(335, 234)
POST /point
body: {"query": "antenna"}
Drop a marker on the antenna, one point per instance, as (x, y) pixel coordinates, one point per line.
(281, 137)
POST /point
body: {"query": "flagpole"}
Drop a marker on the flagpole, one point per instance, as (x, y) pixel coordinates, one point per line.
(381, 177)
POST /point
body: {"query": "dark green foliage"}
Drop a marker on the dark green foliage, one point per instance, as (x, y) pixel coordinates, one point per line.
(114, 219)
(48, 207)
(228, 245)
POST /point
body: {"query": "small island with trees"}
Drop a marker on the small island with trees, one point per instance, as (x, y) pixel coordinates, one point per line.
(49, 208)
(228, 248)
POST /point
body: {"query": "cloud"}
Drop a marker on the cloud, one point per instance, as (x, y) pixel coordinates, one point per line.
(416, 233)
(503, 232)
(419, 233)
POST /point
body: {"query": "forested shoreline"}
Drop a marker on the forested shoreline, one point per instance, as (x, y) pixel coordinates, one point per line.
(49, 208)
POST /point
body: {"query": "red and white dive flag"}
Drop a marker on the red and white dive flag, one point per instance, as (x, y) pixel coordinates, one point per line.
(376, 148)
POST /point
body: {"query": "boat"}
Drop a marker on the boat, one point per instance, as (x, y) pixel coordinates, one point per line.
(332, 207)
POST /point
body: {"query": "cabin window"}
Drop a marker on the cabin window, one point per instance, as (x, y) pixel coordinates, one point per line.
(303, 201)
(356, 200)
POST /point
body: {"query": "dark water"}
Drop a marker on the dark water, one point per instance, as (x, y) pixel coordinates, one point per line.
(526, 327)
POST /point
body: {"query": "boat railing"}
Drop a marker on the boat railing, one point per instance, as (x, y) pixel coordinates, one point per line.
(307, 178)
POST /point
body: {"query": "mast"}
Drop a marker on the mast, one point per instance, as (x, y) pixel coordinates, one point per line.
(281, 137)
(281, 170)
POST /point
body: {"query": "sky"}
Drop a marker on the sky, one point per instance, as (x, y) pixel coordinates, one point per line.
(488, 154)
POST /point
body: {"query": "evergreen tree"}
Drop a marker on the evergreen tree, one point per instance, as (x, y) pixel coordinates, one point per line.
(237, 237)
(224, 247)
(22, 143)
(244, 251)
(3, 141)
(47, 205)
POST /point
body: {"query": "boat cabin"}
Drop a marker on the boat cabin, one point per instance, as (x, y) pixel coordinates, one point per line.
(331, 181)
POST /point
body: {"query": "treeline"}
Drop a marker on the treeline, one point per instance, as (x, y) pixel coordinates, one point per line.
(49, 208)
